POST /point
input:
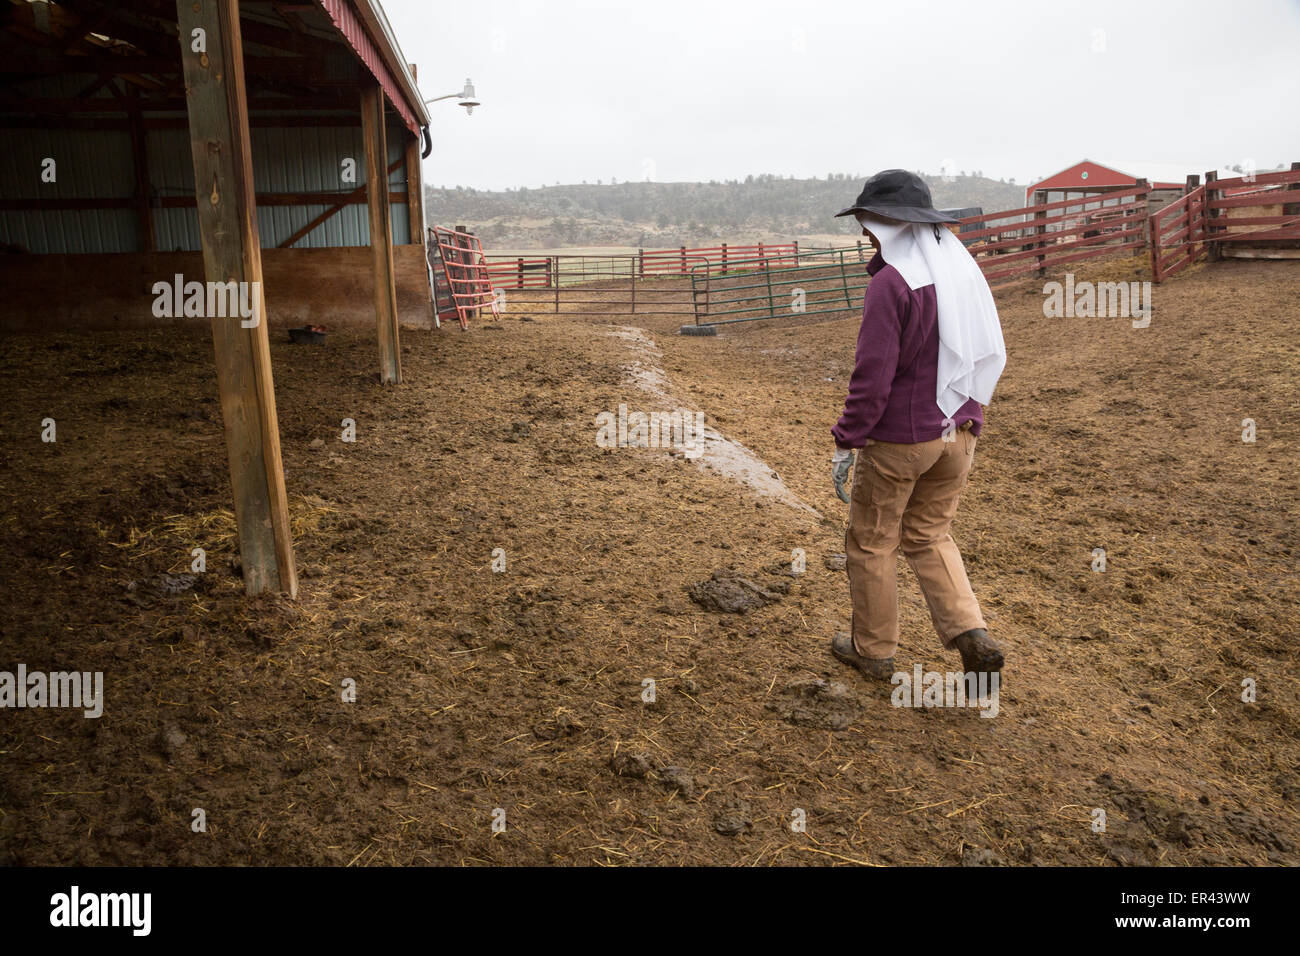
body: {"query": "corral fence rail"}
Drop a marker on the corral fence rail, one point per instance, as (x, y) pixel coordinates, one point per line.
(1017, 242)
(723, 284)
(589, 282)
(1178, 234)
(724, 258)
(1249, 213)
(545, 271)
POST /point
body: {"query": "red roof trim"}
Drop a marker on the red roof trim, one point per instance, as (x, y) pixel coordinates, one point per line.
(346, 21)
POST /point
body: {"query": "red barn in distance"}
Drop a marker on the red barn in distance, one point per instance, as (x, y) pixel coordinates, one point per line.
(1087, 176)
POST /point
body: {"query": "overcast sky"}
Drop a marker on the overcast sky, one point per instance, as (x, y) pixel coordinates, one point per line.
(718, 89)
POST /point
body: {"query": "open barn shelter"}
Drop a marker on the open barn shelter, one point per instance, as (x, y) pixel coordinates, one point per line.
(271, 145)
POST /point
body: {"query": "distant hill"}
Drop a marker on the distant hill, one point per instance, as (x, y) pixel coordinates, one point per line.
(759, 208)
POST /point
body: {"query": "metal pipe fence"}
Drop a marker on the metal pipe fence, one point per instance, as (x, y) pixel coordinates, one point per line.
(817, 283)
(590, 283)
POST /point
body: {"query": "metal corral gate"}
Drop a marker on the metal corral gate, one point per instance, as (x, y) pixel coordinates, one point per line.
(460, 274)
(662, 281)
(594, 284)
(808, 282)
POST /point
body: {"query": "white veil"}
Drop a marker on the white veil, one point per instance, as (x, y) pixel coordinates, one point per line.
(972, 353)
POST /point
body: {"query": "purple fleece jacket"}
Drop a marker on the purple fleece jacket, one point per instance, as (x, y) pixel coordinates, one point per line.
(892, 389)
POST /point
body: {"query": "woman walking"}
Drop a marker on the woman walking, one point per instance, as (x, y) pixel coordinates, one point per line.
(929, 354)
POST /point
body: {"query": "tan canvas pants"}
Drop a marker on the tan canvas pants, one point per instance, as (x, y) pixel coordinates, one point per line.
(904, 497)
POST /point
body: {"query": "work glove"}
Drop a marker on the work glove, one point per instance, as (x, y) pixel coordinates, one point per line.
(841, 466)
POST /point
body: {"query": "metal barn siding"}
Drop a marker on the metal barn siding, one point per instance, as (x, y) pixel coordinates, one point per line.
(292, 159)
(87, 165)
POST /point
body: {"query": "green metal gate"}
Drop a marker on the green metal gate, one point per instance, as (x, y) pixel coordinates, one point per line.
(810, 282)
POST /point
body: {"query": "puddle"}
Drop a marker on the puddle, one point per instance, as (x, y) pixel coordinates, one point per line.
(717, 453)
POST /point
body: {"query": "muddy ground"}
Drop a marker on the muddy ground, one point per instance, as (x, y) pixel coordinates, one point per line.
(523, 690)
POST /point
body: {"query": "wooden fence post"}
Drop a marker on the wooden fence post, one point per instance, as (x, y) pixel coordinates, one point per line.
(1040, 231)
(1142, 212)
(1292, 209)
(1153, 241)
(217, 102)
(1211, 193)
(724, 257)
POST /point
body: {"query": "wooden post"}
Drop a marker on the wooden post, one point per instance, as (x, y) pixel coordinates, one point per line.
(217, 103)
(1040, 232)
(1193, 181)
(1210, 215)
(724, 258)
(414, 190)
(140, 159)
(1291, 209)
(381, 232)
(1141, 211)
(1153, 242)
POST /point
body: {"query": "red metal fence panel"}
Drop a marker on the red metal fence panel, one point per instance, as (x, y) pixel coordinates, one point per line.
(466, 271)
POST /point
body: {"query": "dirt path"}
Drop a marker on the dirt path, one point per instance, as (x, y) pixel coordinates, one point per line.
(524, 690)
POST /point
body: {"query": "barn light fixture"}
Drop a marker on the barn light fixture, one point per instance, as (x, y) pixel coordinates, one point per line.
(467, 97)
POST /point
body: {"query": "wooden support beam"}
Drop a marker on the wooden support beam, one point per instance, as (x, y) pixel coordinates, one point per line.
(140, 161)
(381, 232)
(414, 190)
(357, 195)
(223, 182)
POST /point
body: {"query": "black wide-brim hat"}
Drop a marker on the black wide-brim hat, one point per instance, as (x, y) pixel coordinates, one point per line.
(897, 194)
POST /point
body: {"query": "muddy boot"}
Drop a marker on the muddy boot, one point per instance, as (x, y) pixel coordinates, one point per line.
(875, 668)
(979, 652)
